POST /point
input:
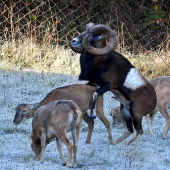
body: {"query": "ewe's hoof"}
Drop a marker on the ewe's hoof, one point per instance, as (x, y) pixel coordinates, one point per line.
(92, 117)
(113, 143)
(64, 164)
(87, 141)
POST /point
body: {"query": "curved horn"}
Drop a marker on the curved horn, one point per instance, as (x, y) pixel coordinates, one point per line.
(75, 49)
(101, 29)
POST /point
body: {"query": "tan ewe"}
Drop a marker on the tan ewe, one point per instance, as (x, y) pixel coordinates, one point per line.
(80, 94)
(53, 121)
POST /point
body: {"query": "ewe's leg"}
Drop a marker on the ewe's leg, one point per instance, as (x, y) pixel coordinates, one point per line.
(67, 142)
(90, 123)
(163, 99)
(162, 107)
(101, 116)
(97, 93)
(128, 124)
(75, 134)
(149, 118)
(74, 147)
(43, 145)
(59, 147)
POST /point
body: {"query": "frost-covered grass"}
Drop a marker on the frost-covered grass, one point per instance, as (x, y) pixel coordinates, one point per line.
(149, 152)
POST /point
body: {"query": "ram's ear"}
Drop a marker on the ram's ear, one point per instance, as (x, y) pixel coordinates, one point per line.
(89, 26)
(33, 105)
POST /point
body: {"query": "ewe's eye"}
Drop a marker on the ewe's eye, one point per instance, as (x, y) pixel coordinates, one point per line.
(24, 112)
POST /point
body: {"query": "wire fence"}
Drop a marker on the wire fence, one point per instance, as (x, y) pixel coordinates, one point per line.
(141, 25)
(51, 21)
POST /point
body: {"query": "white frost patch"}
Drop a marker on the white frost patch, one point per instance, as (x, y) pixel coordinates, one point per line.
(148, 152)
(134, 79)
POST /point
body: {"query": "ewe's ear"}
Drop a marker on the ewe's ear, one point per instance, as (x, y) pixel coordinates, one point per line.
(29, 137)
(148, 79)
(33, 105)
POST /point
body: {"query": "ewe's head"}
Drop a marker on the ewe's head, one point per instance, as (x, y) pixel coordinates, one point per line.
(35, 145)
(116, 115)
(23, 112)
(97, 39)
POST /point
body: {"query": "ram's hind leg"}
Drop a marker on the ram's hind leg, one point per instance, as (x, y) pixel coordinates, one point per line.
(125, 135)
(139, 132)
(137, 123)
(128, 124)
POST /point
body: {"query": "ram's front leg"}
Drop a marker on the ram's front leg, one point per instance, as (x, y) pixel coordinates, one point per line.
(97, 93)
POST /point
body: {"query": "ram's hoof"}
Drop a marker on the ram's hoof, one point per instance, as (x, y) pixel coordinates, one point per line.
(92, 117)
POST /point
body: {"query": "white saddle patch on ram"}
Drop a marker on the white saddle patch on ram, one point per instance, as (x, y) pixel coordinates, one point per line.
(133, 80)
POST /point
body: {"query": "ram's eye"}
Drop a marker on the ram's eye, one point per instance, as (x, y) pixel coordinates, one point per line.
(99, 37)
(91, 36)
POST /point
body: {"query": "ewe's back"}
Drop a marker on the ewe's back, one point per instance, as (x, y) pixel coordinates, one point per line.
(65, 111)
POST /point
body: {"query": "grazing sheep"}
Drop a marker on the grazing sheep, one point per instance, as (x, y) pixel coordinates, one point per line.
(162, 88)
(54, 120)
(80, 94)
(101, 65)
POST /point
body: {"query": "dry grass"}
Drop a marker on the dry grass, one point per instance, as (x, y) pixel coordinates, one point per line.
(151, 64)
(44, 57)
(40, 57)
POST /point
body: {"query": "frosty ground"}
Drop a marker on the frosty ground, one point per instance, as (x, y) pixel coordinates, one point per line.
(25, 86)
